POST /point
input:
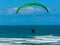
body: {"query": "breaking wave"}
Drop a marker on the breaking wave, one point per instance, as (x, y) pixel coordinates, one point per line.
(46, 39)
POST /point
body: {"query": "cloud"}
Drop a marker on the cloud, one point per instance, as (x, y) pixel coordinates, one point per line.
(27, 10)
(30, 10)
(23, 11)
(11, 10)
(8, 11)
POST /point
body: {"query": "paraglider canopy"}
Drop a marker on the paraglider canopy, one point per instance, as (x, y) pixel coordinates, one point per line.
(30, 4)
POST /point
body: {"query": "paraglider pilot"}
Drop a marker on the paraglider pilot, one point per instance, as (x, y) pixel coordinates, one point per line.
(33, 31)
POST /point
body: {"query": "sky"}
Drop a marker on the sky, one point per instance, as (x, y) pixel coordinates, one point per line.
(30, 15)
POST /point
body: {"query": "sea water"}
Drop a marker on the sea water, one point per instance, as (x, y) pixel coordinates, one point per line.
(22, 35)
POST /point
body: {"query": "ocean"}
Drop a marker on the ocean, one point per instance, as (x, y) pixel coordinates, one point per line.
(22, 35)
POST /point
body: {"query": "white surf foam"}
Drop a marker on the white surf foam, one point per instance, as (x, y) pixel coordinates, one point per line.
(34, 39)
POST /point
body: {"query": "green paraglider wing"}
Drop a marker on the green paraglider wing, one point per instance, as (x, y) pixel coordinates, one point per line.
(30, 4)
